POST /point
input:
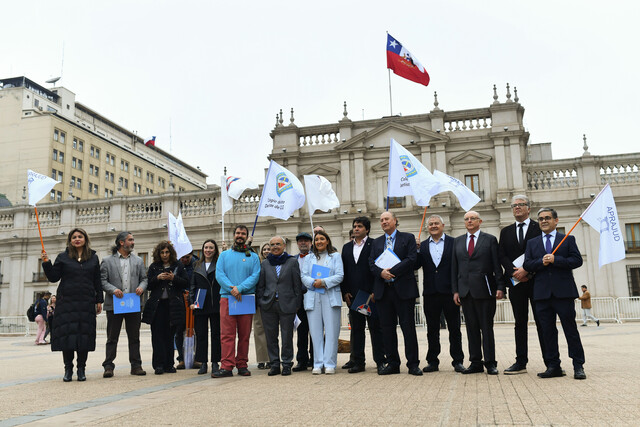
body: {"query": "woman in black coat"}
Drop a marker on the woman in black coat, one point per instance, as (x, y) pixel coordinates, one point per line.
(79, 300)
(165, 309)
(204, 278)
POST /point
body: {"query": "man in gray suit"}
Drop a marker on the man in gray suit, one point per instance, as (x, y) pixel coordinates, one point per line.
(122, 272)
(477, 281)
(279, 293)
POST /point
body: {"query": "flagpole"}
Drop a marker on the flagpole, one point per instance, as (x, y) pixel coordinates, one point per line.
(390, 99)
(567, 235)
(422, 223)
(39, 230)
(261, 197)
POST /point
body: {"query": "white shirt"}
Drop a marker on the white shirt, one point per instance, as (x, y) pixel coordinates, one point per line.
(357, 248)
(526, 223)
(475, 240)
(125, 268)
(436, 249)
(544, 238)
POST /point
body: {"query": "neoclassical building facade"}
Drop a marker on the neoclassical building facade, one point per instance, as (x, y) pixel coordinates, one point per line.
(487, 148)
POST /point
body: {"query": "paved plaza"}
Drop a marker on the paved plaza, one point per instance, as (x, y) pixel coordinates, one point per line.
(32, 391)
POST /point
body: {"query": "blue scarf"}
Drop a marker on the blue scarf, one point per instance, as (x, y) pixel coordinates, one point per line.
(278, 260)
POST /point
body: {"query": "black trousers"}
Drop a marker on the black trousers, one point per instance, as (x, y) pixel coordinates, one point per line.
(114, 326)
(162, 334)
(564, 308)
(202, 323)
(392, 309)
(478, 316)
(272, 320)
(520, 296)
(179, 339)
(304, 343)
(81, 361)
(436, 305)
(358, 322)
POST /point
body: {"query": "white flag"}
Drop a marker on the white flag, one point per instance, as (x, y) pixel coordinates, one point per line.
(178, 235)
(231, 187)
(320, 195)
(602, 215)
(466, 197)
(39, 186)
(409, 177)
(282, 193)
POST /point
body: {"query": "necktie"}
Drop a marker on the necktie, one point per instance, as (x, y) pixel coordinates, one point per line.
(278, 267)
(389, 243)
(471, 245)
(521, 233)
(547, 245)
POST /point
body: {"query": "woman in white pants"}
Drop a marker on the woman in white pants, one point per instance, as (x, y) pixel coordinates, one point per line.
(323, 302)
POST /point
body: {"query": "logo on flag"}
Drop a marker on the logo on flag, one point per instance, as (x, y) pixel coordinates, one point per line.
(230, 180)
(282, 183)
(409, 170)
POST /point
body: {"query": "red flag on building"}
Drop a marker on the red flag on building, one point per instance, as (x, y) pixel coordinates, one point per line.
(400, 60)
(151, 142)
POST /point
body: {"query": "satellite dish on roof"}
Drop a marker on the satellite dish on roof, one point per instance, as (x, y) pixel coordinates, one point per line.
(54, 80)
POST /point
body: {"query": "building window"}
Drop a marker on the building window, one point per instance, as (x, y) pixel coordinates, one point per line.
(79, 184)
(93, 170)
(93, 188)
(63, 137)
(78, 144)
(633, 237)
(633, 279)
(148, 191)
(57, 175)
(73, 181)
(59, 136)
(473, 183)
(108, 193)
(137, 171)
(123, 183)
(124, 166)
(110, 159)
(58, 156)
(182, 189)
(76, 163)
(94, 152)
(55, 196)
(137, 187)
(145, 257)
(395, 202)
(161, 182)
(150, 177)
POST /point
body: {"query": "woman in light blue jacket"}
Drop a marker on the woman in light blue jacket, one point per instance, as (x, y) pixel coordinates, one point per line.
(323, 302)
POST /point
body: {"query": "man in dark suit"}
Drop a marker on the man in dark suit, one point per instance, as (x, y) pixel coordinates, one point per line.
(513, 240)
(477, 281)
(358, 277)
(434, 256)
(304, 356)
(279, 293)
(554, 292)
(395, 290)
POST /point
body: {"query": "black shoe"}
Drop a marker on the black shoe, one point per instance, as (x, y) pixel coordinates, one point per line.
(389, 370)
(348, 365)
(267, 365)
(203, 369)
(380, 367)
(300, 367)
(310, 363)
(244, 372)
(134, 371)
(430, 368)
(170, 370)
(516, 368)
(552, 373)
(215, 366)
(474, 369)
(275, 370)
(68, 374)
(221, 373)
(181, 365)
(597, 324)
(458, 367)
(261, 365)
(415, 370)
(108, 372)
(579, 374)
(354, 369)
(158, 371)
(81, 375)
(492, 370)
(286, 370)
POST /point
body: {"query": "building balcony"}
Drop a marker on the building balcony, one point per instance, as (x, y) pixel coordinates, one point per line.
(630, 246)
(39, 277)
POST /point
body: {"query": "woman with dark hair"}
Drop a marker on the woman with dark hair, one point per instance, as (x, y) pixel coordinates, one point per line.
(204, 280)
(259, 337)
(79, 300)
(40, 310)
(165, 309)
(323, 303)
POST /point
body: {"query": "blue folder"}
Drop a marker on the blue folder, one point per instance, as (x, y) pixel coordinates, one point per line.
(246, 306)
(363, 305)
(200, 296)
(319, 272)
(129, 303)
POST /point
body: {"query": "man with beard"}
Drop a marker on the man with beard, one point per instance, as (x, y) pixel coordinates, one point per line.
(123, 272)
(237, 272)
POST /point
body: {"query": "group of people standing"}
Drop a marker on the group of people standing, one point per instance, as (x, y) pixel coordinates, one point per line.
(307, 291)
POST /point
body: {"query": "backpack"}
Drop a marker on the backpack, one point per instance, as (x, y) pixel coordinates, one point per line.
(31, 313)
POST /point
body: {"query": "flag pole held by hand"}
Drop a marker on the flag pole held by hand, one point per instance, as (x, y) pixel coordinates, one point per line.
(567, 235)
(39, 230)
(422, 223)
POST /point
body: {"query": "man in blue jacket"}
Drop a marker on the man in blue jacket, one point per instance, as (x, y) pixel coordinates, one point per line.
(554, 291)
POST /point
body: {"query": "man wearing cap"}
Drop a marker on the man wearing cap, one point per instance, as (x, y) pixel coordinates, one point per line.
(123, 272)
(304, 356)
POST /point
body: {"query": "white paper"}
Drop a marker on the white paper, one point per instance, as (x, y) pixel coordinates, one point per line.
(387, 259)
(488, 287)
(296, 322)
(517, 263)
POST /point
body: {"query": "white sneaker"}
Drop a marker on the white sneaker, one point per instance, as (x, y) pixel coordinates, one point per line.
(316, 371)
(329, 371)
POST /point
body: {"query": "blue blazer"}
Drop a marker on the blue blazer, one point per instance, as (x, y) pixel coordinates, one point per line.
(405, 281)
(554, 280)
(334, 262)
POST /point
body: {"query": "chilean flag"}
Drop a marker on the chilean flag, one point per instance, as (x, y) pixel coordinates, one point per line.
(151, 142)
(400, 60)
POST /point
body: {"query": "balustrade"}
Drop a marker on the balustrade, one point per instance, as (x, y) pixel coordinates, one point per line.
(48, 218)
(6, 221)
(144, 211)
(552, 179)
(620, 174)
(248, 202)
(93, 215)
(198, 206)
(319, 139)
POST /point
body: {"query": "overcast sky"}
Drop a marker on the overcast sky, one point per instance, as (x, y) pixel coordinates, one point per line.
(214, 74)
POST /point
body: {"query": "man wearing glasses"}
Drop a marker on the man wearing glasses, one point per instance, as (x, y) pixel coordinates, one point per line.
(554, 292)
(513, 241)
(477, 281)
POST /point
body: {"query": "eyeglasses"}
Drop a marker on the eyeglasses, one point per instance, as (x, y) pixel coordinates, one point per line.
(545, 218)
(519, 205)
(472, 218)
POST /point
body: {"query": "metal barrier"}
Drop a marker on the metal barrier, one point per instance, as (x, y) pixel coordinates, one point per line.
(16, 325)
(603, 308)
(628, 308)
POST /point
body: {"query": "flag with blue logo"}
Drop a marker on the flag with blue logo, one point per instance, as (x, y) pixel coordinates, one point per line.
(282, 193)
(409, 177)
(602, 215)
